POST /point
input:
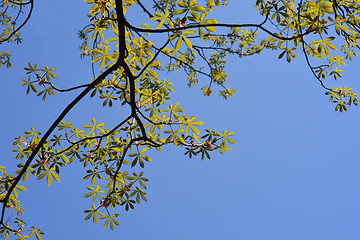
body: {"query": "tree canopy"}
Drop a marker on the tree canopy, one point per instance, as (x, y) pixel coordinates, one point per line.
(127, 58)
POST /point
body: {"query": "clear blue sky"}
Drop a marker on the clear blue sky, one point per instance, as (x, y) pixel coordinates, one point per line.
(293, 174)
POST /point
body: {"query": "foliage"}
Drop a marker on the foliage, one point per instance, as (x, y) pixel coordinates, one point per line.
(128, 63)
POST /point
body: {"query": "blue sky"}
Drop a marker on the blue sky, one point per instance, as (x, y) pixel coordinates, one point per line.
(293, 174)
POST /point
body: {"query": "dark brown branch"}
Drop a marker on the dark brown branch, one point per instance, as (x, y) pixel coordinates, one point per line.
(23, 24)
(132, 89)
(66, 90)
(18, 3)
(217, 25)
(144, 9)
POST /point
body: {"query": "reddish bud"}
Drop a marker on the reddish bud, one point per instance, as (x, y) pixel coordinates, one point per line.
(41, 81)
(208, 145)
(33, 145)
(108, 172)
(45, 161)
(104, 204)
(154, 97)
(341, 92)
(125, 189)
(208, 92)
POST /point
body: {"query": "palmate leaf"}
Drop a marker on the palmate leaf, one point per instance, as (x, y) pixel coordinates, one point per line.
(110, 219)
(48, 91)
(29, 84)
(50, 174)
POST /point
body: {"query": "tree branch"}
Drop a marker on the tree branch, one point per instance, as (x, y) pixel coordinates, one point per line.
(23, 24)
(102, 76)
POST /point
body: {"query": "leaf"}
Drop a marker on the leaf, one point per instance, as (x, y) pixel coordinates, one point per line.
(180, 11)
(48, 179)
(37, 234)
(160, 24)
(210, 21)
(88, 195)
(198, 8)
(55, 176)
(33, 87)
(210, 29)
(64, 158)
(21, 188)
(331, 46)
(201, 32)
(192, 3)
(178, 43)
(345, 29)
(41, 176)
(288, 57)
(195, 16)
(281, 54)
(189, 32)
(181, 4)
(143, 150)
(188, 43)
(26, 175)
